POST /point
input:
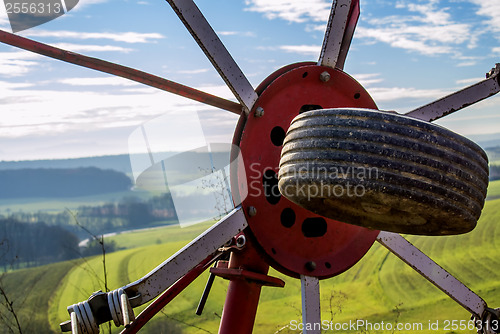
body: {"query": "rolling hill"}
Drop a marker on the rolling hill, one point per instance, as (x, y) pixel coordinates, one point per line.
(379, 288)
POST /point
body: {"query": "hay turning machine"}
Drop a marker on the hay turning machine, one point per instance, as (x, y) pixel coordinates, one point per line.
(330, 175)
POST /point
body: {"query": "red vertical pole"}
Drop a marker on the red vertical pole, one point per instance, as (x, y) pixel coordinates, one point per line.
(243, 295)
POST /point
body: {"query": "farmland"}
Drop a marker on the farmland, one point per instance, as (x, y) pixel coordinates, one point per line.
(379, 288)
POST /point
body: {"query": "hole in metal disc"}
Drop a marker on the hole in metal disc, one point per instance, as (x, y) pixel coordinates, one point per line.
(288, 217)
(305, 74)
(357, 96)
(270, 185)
(278, 135)
(308, 107)
(314, 227)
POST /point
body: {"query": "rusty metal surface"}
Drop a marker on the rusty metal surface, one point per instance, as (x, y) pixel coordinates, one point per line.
(339, 31)
(435, 274)
(119, 70)
(292, 237)
(216, 52)
(459, 100)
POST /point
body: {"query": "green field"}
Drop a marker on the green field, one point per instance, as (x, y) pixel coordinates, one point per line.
(379, 288)
(494, 190)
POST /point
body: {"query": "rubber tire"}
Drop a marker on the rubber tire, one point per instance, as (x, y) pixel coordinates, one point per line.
(383, 171)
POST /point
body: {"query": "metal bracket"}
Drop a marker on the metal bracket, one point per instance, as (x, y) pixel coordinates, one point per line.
(435, 274)
(222, 270)
(461, 99)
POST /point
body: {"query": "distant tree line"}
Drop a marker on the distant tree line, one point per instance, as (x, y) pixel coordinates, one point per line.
(28, 245)
(33, 239)
(494, 172)
(72, 182)
(129, 213)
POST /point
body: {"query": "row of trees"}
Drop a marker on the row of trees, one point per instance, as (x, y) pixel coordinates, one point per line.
(31, 239)
(129, 213)
(23, 244)
(494, 172)
(51, 182)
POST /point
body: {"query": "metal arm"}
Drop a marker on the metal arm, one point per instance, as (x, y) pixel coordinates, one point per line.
(339, 31)
(311, 304)
(216, 52)
(101, 307)
(118, 70)
(461, 99)
(187, 258)
(429, 269)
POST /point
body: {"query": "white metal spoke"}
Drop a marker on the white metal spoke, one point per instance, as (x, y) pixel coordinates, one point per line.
(461, 99)
(179, 264)
(311, 309)
(216, 52)
(435, 274)
(337, 35)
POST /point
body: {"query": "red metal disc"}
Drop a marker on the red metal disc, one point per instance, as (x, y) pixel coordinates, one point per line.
(295, 241)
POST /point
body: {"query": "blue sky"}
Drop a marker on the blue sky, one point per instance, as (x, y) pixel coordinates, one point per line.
(405, 53)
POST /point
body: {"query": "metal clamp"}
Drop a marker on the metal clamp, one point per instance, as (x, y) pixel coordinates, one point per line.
(117, 305)
(120, 308)
(84, 322)
(489, 323)
(82, 319)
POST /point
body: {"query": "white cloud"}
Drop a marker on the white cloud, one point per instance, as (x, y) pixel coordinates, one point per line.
(398, 38)
(309, 50)
(102, 81)
(490, 9)
(90, 120)
(126, 37)
(4, 19)
(38, 112)
(14, 64)
(91, 48)
(421, 27)
(466, 63)
(85, 3)
(18, 63)
(368, 79)
(397, 93)
(291, 10)
(197, 71)
(468, 81)
(31, 111)
(236, 33)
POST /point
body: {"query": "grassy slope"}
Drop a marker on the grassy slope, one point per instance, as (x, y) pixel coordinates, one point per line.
(494, 190)
(379, 288)
(31, 290)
